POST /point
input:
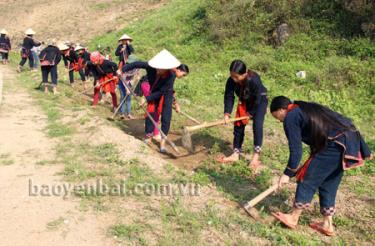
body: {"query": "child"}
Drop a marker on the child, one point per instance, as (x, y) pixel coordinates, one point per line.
(83, 57)
(335, 145)
(49, 59)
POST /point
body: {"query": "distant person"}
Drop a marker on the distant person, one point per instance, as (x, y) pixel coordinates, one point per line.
(83, 58)
(105, 77)
(35, 51)
(5, 46)
(72, 64)
(335, 145)
(252, 101)
(50, 57)
(28, 43)
(124, 50)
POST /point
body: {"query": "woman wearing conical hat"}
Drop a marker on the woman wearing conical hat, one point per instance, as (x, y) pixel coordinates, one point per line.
(161, 76)
(50, 57)
(5, 46)
(28, 43)
(73, 64)
(124, 49)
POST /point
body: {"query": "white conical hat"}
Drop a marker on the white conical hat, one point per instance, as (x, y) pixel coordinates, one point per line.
(51, 42)
(79, 47)
(29, 32)
(3, 31)
(125, 37)
(62, 46)
(164, 60)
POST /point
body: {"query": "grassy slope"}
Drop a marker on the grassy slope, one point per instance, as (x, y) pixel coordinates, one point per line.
(347, 84)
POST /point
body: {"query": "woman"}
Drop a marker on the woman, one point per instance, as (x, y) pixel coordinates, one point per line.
(124, 50)
(252, 102)
(105, 77)
(181, 71)
(73, 64)
(161, 76)
(83, 56)
(5, 46)
(27, 45)
(49, 59)
(335, 145)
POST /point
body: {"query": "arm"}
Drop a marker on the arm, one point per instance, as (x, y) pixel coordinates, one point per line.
(58, 57)
(129, 49)
(118, 50)
(134, 65)
(229, 97)
(293, 133)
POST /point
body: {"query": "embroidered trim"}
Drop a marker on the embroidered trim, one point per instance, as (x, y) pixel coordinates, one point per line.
(300, 205)
(257, 149)
(330, 211)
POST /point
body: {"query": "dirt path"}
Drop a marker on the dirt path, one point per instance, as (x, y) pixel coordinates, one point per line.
(34, 219)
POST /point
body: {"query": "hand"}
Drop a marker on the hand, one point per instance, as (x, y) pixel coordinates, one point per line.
(370, 157)
(284, 179)
(177, 108)
(118, 72)
(66, 67)
(226, 118)
(127, 92)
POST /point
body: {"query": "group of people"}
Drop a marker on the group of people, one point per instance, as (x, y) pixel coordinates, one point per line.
(335, 143)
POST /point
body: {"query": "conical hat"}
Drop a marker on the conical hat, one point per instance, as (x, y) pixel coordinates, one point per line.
(79, 47)
(164, 60)
(63, 46)
(3, 31)
(51, 42)
(125, 37)
(29, 32)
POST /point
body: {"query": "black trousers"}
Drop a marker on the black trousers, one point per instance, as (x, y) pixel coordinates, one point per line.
(258, 121)
(31, 60)
(81, 74)
(49, 70)
(4, 56)
(166, 117)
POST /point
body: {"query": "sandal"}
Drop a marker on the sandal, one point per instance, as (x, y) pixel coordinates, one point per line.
(280, 217)
(317, 227)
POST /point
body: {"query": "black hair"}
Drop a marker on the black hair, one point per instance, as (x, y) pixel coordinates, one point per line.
(322, 120)
(183, 68)
(238, 66)
(2, 35)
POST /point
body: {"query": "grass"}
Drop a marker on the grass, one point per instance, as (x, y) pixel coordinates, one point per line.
(5, 160)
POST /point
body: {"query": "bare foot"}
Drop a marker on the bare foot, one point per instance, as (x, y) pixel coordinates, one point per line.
(323, 227)
(290, 220)
(130, 117)
(157, 138)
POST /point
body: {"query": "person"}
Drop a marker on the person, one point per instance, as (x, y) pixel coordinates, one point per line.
(124, 50)
(125, 109)
(161, 79)
(105, 77)
(35, 51)
(28, 43)
(335, 145)
(181, 71)
(252, 102)
(82, 58)
(5, 46)
(50, 57)
(73, 64)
